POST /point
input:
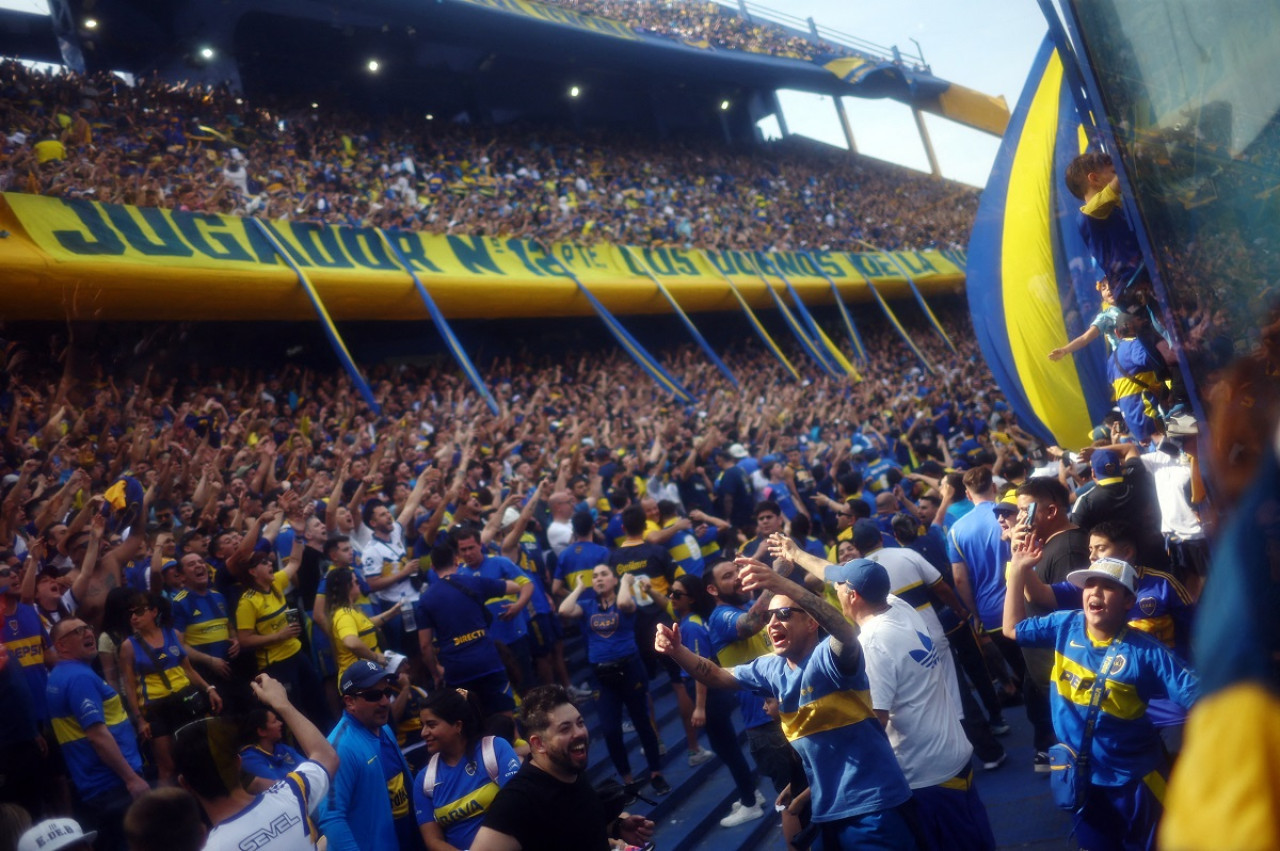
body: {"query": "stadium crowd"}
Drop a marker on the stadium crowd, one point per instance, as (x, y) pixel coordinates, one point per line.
(707, 23)
(161, 145)
(314, 617)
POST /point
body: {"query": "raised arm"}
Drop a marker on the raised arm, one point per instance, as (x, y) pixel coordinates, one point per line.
(844, 642)
(667, 642)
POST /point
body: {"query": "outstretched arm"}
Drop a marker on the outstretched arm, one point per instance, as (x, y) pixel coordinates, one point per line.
(667, 642)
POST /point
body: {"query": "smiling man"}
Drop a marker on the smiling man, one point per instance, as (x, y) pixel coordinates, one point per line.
(522, 816)
(1126, 764)
(860, 796)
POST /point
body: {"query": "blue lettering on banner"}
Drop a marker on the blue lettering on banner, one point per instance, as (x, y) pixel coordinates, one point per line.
(473, 253)
(321, 245)
(104, 239)
(363, 246)
(192, 227)
(414, 250)
(169, 244)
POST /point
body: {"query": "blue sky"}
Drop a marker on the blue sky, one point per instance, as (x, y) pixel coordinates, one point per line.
(986, 45)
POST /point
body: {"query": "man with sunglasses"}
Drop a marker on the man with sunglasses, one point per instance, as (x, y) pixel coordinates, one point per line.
(860, 796)
(94, 732)
(368, 808)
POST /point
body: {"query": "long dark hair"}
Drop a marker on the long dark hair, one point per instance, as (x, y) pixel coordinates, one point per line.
(700, 601)
(451, 706)
(337, 589)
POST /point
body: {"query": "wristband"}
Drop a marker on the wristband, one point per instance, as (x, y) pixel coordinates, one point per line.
(211, 688)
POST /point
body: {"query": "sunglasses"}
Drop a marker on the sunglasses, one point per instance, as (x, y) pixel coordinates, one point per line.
(375, 695)
(78, 631)
(677, 595)
(6, 571)
(784, 613)
(141, 610)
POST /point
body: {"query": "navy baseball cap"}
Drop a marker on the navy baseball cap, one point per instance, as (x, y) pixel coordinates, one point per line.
(362, 675)
(866, 577)
(1106, 465)
(866, 535)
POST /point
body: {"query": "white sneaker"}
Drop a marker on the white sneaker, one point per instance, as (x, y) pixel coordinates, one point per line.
(759, 798)
(579, 693)
(741, 815)
(699, 756)
(627, 726)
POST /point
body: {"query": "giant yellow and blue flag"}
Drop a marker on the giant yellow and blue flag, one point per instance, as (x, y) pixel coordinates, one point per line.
(1031, 279)
(1225, 789)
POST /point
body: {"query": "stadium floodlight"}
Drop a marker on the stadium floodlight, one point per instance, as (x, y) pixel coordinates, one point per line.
(574, 91)
(724, 105)
(315, 105)
(373, 66)
(91, 23)
(206, 53)
(430, 117)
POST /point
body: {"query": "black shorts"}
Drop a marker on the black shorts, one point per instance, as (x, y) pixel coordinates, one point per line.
(165, 715)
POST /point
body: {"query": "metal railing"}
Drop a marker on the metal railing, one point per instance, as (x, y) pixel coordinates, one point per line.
(808, 29)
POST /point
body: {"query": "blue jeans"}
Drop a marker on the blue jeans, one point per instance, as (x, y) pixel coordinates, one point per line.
(629, 688)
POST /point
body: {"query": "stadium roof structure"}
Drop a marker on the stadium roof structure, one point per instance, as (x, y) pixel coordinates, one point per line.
(493, 60)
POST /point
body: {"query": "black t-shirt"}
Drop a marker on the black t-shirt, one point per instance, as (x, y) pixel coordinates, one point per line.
(544, 814)
(1131, 500)
(645, 559)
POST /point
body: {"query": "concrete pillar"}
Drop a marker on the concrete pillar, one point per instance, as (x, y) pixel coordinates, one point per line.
(928, 144)
(843, 115)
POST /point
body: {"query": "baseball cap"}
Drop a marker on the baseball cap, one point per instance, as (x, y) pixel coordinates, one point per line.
(1107, 568)
(362, 675)
(866, 577)
(866, 535)
(1106, 465)
(167, 565)
(737, 450)
(54, 833)
(1006, 506)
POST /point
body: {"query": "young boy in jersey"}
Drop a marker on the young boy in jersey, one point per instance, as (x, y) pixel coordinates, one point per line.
(1128, 766)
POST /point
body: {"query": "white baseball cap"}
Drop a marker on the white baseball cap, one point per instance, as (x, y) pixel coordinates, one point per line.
(737, 450)
(53, 834)
(1107, 568)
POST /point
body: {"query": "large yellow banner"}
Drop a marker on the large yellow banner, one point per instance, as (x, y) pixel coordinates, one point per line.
(80, 259)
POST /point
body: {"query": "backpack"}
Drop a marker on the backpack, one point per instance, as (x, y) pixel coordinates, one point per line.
(488, 755)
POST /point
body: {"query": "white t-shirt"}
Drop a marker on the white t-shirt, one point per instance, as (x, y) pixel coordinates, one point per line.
(909, 681)
(910, 575)
(559, 536)
(1173, 488)
(278, 817)
(380, 558)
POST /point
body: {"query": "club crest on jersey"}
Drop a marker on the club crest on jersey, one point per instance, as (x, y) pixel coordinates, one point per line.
(1117, 665)
(604, 624)
(1147, 605)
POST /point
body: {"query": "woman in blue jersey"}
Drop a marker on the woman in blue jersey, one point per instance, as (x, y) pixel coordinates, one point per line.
(466, 769)
(713, 708)
(159, 682)
(609, 608)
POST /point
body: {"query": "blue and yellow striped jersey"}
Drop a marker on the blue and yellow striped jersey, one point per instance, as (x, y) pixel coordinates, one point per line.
(1126, 745)
(78, 700)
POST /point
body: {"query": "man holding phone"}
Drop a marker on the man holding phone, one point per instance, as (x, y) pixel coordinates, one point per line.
(1043, 514)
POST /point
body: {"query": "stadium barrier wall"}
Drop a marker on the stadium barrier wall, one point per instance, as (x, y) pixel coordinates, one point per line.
(79, 259)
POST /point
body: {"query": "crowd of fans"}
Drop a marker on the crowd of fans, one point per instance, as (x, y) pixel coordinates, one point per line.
(705, 22)
(195, 539)
(162, 145)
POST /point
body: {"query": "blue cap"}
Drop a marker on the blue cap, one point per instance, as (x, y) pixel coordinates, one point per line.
(1106, 465)
(862, 575)
(362, 675)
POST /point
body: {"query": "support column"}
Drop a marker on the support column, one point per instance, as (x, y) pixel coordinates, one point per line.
(843, 115)
(928, 144)
(777, 111)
